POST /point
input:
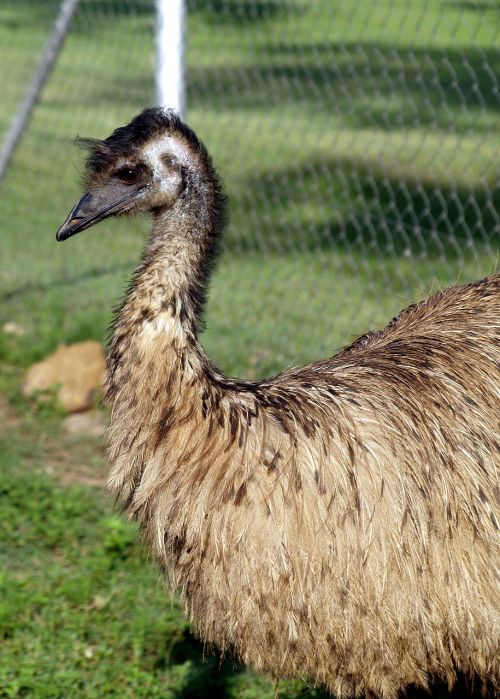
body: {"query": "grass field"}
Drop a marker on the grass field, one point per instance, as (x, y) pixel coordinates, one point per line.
(357, 181)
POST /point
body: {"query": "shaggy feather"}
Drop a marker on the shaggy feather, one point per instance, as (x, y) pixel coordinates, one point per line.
(338, 521)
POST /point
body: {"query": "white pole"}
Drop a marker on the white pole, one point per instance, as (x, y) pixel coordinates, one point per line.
(170, 70)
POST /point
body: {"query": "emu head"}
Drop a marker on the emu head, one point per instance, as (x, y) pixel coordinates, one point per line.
(146, 166)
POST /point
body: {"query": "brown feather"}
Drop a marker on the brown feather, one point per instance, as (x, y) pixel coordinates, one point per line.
(336, 522)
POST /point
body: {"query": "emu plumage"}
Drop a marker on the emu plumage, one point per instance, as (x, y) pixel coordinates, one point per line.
(337, 521)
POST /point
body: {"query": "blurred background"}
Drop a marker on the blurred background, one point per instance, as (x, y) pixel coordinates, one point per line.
(359, 144)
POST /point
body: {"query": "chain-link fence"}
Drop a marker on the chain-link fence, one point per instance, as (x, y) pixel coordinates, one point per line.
(358, 141)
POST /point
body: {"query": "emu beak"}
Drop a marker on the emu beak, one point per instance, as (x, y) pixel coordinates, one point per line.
(94, 207)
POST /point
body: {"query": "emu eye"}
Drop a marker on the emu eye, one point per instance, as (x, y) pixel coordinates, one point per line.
(128, 175)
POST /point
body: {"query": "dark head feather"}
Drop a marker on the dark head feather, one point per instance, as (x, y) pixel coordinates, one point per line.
(125, 144)
(126, 141)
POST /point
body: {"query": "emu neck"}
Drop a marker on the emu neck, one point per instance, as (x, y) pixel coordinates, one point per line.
(172, 278)
(158, 325)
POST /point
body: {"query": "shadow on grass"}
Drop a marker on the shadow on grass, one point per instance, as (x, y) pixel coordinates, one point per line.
(475, 5)
(211, 677)
(361, 208)
(30, 13)
(117, 8)
(95, 8)
(371, 84)
(242, 11)
(217, 12)
(214, 11)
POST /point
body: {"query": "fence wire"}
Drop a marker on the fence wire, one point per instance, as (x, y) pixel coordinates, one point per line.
(358, 141)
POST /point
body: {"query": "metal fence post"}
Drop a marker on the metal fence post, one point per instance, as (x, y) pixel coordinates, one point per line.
(170, 69)
(50, 52)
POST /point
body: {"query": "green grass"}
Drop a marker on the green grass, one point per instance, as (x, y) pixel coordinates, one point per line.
(357, 182)
(82, 611)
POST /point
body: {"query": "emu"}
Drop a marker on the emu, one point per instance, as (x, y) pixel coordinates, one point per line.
(335, 522)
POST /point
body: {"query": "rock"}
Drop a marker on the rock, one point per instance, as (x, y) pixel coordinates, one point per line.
(78, 370)
(98, 602)
(90, 424)
(11, 328)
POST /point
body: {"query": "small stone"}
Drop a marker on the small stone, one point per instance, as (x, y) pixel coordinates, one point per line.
(78, 371)
(11, 328)
(98, 602)
(90, 424)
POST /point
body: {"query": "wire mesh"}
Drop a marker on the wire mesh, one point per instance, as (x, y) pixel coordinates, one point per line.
(358, 141)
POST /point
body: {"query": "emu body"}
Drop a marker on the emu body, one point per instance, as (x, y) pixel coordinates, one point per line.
(338, 521)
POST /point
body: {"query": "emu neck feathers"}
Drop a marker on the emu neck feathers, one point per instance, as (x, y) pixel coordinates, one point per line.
(156, 367)
(167, 295)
